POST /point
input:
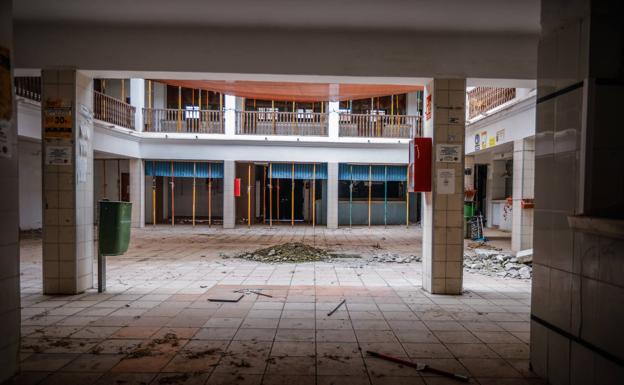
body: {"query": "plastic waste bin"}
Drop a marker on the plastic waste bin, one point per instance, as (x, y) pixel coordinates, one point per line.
(113, 234)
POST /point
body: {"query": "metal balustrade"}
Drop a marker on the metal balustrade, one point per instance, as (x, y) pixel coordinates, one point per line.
(483, 99)
(28, 87)
(184, 121)
(114, 111)
(281, 123)
(379, 126)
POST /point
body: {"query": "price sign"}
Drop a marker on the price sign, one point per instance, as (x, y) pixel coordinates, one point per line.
(58, 122)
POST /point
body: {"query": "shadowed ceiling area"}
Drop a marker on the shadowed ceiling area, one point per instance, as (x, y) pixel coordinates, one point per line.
(291, 91)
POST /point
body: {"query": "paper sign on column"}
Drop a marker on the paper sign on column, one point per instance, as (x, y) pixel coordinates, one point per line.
(58, 155)
(445, 181)
(451, 153)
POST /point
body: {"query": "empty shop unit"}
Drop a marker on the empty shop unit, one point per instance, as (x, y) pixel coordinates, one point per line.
(179, 192)
(284, 193)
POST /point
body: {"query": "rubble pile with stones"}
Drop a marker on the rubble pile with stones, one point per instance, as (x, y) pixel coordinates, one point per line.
(493, 262)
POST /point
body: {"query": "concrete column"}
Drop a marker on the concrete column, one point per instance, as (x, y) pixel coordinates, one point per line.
(137, 99)
(137, 192)
(523, 179)
(413, 104)
(333, 121)
(68, 245)
(230, 115)
(442, 208)
(9, 212)
(332, 195)
(229, 204)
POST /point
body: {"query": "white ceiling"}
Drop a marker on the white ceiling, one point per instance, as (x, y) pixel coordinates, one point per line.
(502, 16)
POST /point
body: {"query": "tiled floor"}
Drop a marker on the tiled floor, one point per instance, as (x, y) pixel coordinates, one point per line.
(155, 324)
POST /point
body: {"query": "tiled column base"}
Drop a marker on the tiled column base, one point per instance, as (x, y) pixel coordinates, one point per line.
(68, 244)
(443, 206)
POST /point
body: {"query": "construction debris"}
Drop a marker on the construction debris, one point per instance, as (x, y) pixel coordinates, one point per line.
(287, 252)
(337, 307)
(420, 367)
(253, 291)
(394, 258)
(489, 261)
(525, 256)
(226, 298)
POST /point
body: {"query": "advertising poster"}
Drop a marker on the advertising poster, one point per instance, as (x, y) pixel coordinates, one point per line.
(57, 122)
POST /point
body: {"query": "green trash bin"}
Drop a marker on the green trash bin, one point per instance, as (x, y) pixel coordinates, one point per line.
(113, 234)
(468, 213)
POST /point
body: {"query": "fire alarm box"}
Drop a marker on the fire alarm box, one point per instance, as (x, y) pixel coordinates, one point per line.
(420, 165)
(237, 184)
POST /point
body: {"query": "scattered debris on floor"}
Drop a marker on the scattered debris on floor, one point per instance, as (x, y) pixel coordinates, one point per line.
(482, 245)
(337, 307)
(227, 298)
(493, 262)
(287, 252)
(253, 291)
(420, 367)
(151, 348)
(394, 258)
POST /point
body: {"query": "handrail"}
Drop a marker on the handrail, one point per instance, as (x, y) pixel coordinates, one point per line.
(281, 123)
(179, 120)
(113, 110)
(28, 87)
(483, 99)
(379, 126)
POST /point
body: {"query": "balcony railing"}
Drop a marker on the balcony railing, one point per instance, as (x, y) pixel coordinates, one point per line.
(483, 99)
(28, 87)
(281, 123)
(379, 126)
(113, 110)
(177, 120)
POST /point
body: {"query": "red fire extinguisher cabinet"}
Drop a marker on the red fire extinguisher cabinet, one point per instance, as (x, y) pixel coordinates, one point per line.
(420, 165)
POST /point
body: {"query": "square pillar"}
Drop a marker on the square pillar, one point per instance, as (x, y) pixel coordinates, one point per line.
(137, 99)
(67, 152)
(332, 195)
(442, 208)
(9, 208)
(229, 204)
(137, 191)
(523, 177)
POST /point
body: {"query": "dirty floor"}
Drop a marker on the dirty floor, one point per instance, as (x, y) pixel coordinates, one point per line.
(157, 325)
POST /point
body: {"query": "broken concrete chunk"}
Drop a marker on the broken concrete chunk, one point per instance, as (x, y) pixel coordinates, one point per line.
(525, 256)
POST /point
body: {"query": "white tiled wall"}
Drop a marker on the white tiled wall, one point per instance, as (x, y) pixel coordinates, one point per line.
(68, 245)
(523, 180)
(443, 213)
(9, 237)
(578, 289)
(332, 195)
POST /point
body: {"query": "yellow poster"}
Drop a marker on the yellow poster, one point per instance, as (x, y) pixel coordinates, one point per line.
(492, 141)
(57, 121)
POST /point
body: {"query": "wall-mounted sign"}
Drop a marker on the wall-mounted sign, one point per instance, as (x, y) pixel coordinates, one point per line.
(492, 141)
(448, 153)
(57, 120)
(58, 155)
(445, 181)
(500, 135)
(477, 142)
(483, 140)
(428, 107)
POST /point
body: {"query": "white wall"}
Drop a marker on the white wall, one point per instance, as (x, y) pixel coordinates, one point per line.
(513, 123)
(30, 185)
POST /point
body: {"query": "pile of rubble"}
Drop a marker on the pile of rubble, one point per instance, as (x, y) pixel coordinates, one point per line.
(493, 262)
(394, 258)
(287, 252)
